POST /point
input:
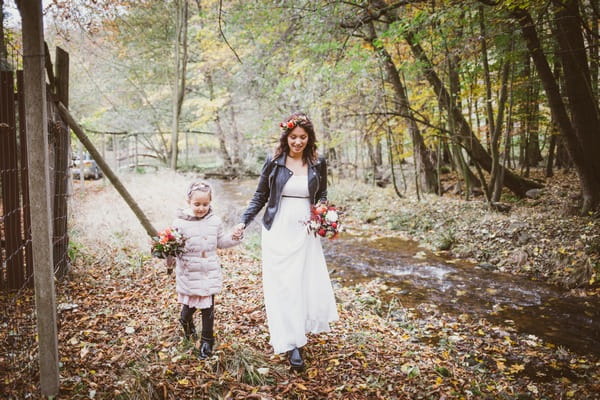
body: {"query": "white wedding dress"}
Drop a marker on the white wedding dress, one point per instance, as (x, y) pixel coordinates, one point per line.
(297, 289)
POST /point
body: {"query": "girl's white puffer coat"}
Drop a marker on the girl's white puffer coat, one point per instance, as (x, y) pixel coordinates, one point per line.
(198, 270)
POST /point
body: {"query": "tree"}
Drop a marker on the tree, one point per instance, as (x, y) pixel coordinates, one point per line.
(580, 125)
(179, 72)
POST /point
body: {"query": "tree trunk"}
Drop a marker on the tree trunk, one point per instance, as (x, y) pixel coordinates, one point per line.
(576, 140)
(551, 152)
(330, 152)
(495, 187)
(594, 44)
(424, 167)
(181, 56)
(465, 136)
(227, 163)
(578, 88)
(490, 128)
(529, 147)
(237, 159)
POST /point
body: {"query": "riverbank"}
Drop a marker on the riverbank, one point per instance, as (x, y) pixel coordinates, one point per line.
(543, 238)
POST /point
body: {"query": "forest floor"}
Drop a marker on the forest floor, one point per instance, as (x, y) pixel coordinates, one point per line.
(119, 337)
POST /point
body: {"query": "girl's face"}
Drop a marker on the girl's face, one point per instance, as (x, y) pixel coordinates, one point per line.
(297, 140)
(200, 203)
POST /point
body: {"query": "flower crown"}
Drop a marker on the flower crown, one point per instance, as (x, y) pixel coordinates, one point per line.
(293, 122)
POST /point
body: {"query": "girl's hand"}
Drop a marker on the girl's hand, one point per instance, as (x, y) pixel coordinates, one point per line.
(170, 264)
(238, 232)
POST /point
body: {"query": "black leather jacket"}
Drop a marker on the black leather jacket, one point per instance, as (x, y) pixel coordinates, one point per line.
(273, 177)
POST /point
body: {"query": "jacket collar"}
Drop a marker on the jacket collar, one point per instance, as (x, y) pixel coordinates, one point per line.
(280, 160)
(188, 215)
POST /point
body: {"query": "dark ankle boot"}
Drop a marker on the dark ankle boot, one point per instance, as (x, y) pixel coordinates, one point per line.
(189, 330)
(295, 359)
(206, 347)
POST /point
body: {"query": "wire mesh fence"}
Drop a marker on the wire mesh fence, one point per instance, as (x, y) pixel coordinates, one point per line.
(19, 367)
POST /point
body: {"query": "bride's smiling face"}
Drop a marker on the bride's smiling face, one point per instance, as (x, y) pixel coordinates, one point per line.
(297, 140)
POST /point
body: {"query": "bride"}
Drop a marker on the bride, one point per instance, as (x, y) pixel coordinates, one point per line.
(296, 285)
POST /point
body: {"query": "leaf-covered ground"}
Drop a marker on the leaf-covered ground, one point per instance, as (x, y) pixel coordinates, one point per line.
(120, 339)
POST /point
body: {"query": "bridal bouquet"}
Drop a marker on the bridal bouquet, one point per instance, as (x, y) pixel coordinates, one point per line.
(324, 220)
(169, 242)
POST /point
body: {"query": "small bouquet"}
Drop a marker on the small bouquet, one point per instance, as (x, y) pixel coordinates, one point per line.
(169, 242)
(324, 220)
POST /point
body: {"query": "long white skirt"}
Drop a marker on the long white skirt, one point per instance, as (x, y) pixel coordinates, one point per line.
(297, 289)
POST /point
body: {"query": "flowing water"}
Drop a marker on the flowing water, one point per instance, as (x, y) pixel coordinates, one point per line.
(419, 276)
(458, 287)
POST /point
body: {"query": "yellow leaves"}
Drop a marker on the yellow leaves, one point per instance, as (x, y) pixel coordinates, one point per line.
(532, 388)
(500, 365)
(183, 382)
(334, 362)
(410, 370)
(516, 368)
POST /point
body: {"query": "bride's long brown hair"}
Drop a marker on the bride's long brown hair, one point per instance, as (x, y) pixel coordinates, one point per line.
(298, 119)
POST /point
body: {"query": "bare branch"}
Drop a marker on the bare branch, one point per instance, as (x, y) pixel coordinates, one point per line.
(223, 34)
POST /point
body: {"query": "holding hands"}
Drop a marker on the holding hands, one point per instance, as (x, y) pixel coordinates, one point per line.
(238, 231)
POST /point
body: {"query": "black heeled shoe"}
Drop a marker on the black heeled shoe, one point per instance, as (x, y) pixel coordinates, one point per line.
(295, 359)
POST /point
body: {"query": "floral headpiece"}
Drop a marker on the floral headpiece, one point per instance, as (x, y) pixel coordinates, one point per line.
(292, 123)
(198, 186)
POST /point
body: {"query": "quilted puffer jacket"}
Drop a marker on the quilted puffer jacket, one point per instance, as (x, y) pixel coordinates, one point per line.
(198, 269)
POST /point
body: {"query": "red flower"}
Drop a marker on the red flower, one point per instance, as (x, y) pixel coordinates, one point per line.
(290, 124)
(322, 232)
(334, 225)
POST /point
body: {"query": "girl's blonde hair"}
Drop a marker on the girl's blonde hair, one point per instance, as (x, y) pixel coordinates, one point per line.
(200, 186)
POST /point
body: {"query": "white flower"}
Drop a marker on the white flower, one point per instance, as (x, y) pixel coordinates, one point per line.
(331, 216)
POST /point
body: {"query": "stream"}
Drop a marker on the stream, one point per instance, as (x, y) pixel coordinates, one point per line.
(419, 276)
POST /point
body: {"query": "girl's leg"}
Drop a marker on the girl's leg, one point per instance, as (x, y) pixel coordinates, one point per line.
(187, 321)
(207, 337)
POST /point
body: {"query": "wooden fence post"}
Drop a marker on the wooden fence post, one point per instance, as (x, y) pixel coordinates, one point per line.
(41, 227)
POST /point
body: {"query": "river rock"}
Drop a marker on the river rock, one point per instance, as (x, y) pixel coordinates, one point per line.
(487, 266)
(519, 257)
(523, 238)
(533, 193)
(454, 339)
